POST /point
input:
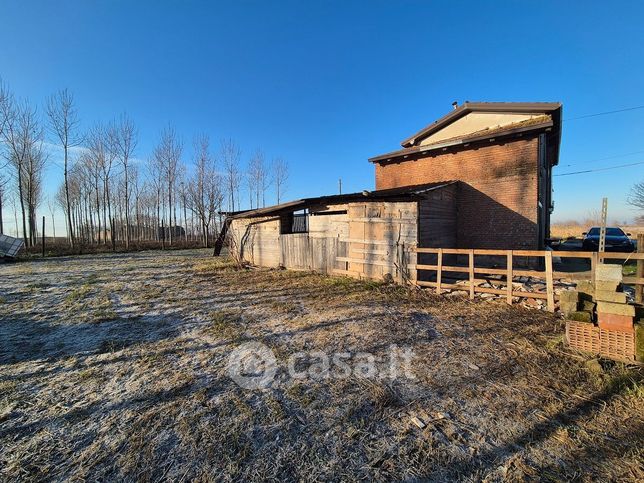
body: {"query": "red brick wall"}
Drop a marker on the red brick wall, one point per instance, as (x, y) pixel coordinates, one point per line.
(497, 201)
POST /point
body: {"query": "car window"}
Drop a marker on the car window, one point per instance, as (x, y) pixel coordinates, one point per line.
(594, 231)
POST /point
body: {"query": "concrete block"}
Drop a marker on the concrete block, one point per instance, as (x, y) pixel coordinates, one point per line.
(608, 273)
(613, 308)
(606, 296)
(615, 322)
(639, 341)
(588, 305)
(585, 286)
(607, 286)
(581, 316)
(569, 296)
(568, 307)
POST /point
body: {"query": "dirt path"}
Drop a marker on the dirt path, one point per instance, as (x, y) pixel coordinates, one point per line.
(116, 366)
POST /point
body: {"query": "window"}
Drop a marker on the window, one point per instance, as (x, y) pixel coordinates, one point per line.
(297, 222)
(594, 231)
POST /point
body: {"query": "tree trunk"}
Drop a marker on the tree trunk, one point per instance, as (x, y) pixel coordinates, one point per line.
(69, 211)
(127, 212)
(170, 213)
(22, 205)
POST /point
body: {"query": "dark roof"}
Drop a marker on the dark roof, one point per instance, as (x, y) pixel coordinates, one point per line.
(392, 194)
(542, 122)
(550, 121)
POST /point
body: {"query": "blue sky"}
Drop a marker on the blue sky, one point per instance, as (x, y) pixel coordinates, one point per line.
(326, 85)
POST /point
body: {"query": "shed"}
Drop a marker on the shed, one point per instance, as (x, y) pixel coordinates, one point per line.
(363, 235)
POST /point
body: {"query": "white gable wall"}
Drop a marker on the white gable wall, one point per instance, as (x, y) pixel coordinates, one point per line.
(476, 121)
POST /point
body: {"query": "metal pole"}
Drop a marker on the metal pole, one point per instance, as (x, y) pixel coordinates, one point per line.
(43, 237)
(602, 229)
(340, 185)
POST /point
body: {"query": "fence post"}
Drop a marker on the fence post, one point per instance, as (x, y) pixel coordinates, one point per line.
(113, 234)
(639, 273)
(471, 274)
(593, 265)
(43, 237)
(439, 274)
(549, 282)
(508, 276)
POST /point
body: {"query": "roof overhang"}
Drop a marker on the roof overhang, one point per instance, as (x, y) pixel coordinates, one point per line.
(404, 193)
(462, 142)
(411, 146)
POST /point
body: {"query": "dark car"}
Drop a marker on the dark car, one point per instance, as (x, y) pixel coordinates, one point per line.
(616, 240)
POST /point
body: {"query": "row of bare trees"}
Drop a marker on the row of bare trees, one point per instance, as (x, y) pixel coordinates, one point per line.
(108, 193)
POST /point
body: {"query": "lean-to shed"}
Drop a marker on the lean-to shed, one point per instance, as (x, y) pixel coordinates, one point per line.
(364, 235)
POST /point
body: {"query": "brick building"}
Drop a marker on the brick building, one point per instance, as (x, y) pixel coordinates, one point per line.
(502, 154)
(479, 177)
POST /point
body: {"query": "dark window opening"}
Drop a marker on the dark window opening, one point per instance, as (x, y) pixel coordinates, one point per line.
(297, 222)
(325, 213)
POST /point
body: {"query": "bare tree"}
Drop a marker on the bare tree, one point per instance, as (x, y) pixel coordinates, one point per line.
(3, 192)
(125, 141)
(5, 107)
(168, 155)
(20, 134)
(279, 169)
(51, 204)
(107, 139)
(205, 188)
(636, 196)
(63, 120)
(155, 173)
(257, 179)
(34, 166)
(5, 112)
(230, 157)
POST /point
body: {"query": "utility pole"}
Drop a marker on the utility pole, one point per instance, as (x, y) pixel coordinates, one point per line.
(340, 185)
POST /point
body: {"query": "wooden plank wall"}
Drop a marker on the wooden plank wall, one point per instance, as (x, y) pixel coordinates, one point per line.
(380, 237)
(370, 240)
(257, 240)
(260, 243)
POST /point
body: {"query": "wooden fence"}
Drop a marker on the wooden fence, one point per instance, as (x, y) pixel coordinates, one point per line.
(509, 271)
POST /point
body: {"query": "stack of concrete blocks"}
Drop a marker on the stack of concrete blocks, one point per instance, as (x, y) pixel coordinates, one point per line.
(613, 313)
(604, 302)
(577, 304)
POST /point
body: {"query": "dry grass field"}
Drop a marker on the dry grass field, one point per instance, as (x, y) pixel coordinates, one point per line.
(113, 367)
(568, 230)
